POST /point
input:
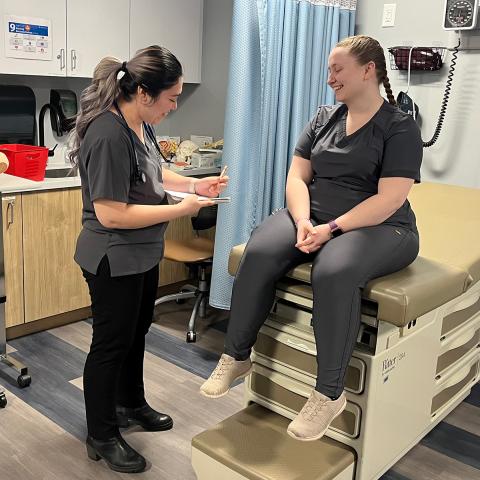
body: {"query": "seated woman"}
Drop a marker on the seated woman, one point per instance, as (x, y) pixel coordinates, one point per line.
(347, 214)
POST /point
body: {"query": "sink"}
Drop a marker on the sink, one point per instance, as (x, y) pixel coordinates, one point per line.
(60, 172)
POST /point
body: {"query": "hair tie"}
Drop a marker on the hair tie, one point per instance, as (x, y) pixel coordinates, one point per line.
(122, 71)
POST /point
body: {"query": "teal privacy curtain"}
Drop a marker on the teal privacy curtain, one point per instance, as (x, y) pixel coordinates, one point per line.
(277, 80)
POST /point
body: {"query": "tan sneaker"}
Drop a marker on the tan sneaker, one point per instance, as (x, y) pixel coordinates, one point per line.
(316, 416)
(226, 372)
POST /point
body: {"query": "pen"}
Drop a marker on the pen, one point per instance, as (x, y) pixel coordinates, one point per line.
(223, 172)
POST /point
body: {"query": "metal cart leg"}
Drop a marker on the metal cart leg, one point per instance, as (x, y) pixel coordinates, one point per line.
(23, 379)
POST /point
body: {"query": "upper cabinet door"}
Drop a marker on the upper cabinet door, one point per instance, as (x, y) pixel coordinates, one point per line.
(33, 37)
(95, 29)
(176, 25)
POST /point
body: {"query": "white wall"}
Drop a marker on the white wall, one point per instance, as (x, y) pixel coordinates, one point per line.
(202, 107)
(455, 158)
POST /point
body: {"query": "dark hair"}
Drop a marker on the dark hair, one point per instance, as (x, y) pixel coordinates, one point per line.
(153, 68)
(367, 49)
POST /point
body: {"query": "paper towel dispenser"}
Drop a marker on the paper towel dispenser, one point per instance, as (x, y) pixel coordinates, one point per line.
(63, 111)
(17, 114)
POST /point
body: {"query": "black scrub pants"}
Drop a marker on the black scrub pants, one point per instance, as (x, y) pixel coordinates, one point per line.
(122, 309)
(341, 269)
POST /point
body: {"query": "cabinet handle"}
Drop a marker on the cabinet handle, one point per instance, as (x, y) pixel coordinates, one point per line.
(10, 210)
(61, 57)
(73, 59)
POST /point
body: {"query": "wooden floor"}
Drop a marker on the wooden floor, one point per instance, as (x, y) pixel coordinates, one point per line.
(43, 427)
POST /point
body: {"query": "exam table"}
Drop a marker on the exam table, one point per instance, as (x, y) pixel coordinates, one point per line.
(416, 358)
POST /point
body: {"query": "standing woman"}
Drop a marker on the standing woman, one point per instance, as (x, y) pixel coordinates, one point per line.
(347, 214)
(125, 214)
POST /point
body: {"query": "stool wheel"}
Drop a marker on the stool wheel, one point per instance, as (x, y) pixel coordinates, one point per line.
(3, 400)
(24, 381)
(191, 337)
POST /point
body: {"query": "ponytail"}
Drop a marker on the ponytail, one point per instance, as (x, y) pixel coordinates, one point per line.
(96, 99)
(154, 69)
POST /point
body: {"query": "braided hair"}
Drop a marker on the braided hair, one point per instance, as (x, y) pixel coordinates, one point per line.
(367, 49)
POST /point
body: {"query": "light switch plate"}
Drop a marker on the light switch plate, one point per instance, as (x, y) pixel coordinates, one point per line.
(388, 19)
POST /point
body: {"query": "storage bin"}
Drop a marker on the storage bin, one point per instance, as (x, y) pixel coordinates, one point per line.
(26, 161)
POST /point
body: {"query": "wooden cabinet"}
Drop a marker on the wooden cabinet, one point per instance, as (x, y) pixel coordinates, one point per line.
(53, 282)
(39, 234)
(176, 25)
(40, 231)
(13, 258)
(96, 29)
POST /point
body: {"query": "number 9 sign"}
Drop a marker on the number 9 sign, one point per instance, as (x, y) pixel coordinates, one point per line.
(12, 27)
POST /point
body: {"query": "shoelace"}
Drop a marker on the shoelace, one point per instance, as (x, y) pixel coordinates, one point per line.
(219, 371)
(313, 407)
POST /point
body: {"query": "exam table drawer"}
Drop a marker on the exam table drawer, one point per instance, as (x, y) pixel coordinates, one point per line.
(300, 355)
(461, 313)
(291, 395)
(454, 384)
(456, 348)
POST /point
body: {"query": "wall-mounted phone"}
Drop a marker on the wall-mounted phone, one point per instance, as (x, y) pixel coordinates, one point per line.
(460, 14)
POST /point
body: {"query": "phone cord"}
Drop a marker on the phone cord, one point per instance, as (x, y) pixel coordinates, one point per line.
(446, 96)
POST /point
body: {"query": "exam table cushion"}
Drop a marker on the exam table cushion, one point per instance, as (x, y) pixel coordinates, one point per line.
(448, 219)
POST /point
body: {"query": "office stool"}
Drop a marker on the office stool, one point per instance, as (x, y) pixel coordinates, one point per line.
(197, 254)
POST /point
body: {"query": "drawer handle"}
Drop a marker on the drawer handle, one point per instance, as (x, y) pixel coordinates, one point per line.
(462, 339)
(301, 346)
(73, 59)
(10, 205)
(61, 57)
(456, 378)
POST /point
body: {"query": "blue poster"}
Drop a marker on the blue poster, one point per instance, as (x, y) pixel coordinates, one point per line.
(27, 28)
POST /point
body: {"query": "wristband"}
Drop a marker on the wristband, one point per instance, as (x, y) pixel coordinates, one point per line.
(191, 187)
(335, 230)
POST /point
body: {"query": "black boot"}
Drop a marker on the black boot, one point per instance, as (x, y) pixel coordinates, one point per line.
(118, 454)
(148, 418)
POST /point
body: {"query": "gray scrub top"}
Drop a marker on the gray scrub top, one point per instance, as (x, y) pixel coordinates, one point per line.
(106, 171)
(347, 168)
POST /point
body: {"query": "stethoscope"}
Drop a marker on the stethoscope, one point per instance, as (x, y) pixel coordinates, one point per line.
(138, 174)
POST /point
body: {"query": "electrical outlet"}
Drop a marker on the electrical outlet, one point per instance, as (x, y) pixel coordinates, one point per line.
(388, 19)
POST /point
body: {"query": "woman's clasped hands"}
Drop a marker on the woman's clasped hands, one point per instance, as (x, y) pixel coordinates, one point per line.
(310, 238)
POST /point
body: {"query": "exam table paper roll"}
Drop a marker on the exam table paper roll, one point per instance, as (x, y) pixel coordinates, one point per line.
(3, 162)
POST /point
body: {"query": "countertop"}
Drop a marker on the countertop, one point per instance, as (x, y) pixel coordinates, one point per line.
(11, 184)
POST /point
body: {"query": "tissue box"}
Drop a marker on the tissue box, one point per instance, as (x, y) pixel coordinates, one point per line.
(203, 160)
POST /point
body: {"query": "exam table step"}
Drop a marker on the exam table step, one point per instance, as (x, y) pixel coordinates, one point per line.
(253, 444)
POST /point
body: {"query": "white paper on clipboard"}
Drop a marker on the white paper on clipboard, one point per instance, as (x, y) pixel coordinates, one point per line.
(28, 37)
(179, 196)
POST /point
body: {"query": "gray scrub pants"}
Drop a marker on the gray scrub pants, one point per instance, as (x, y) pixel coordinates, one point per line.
(341, 269)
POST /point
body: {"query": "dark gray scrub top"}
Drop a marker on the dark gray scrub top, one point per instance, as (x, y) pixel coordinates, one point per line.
(106, 171)
(347, 168)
